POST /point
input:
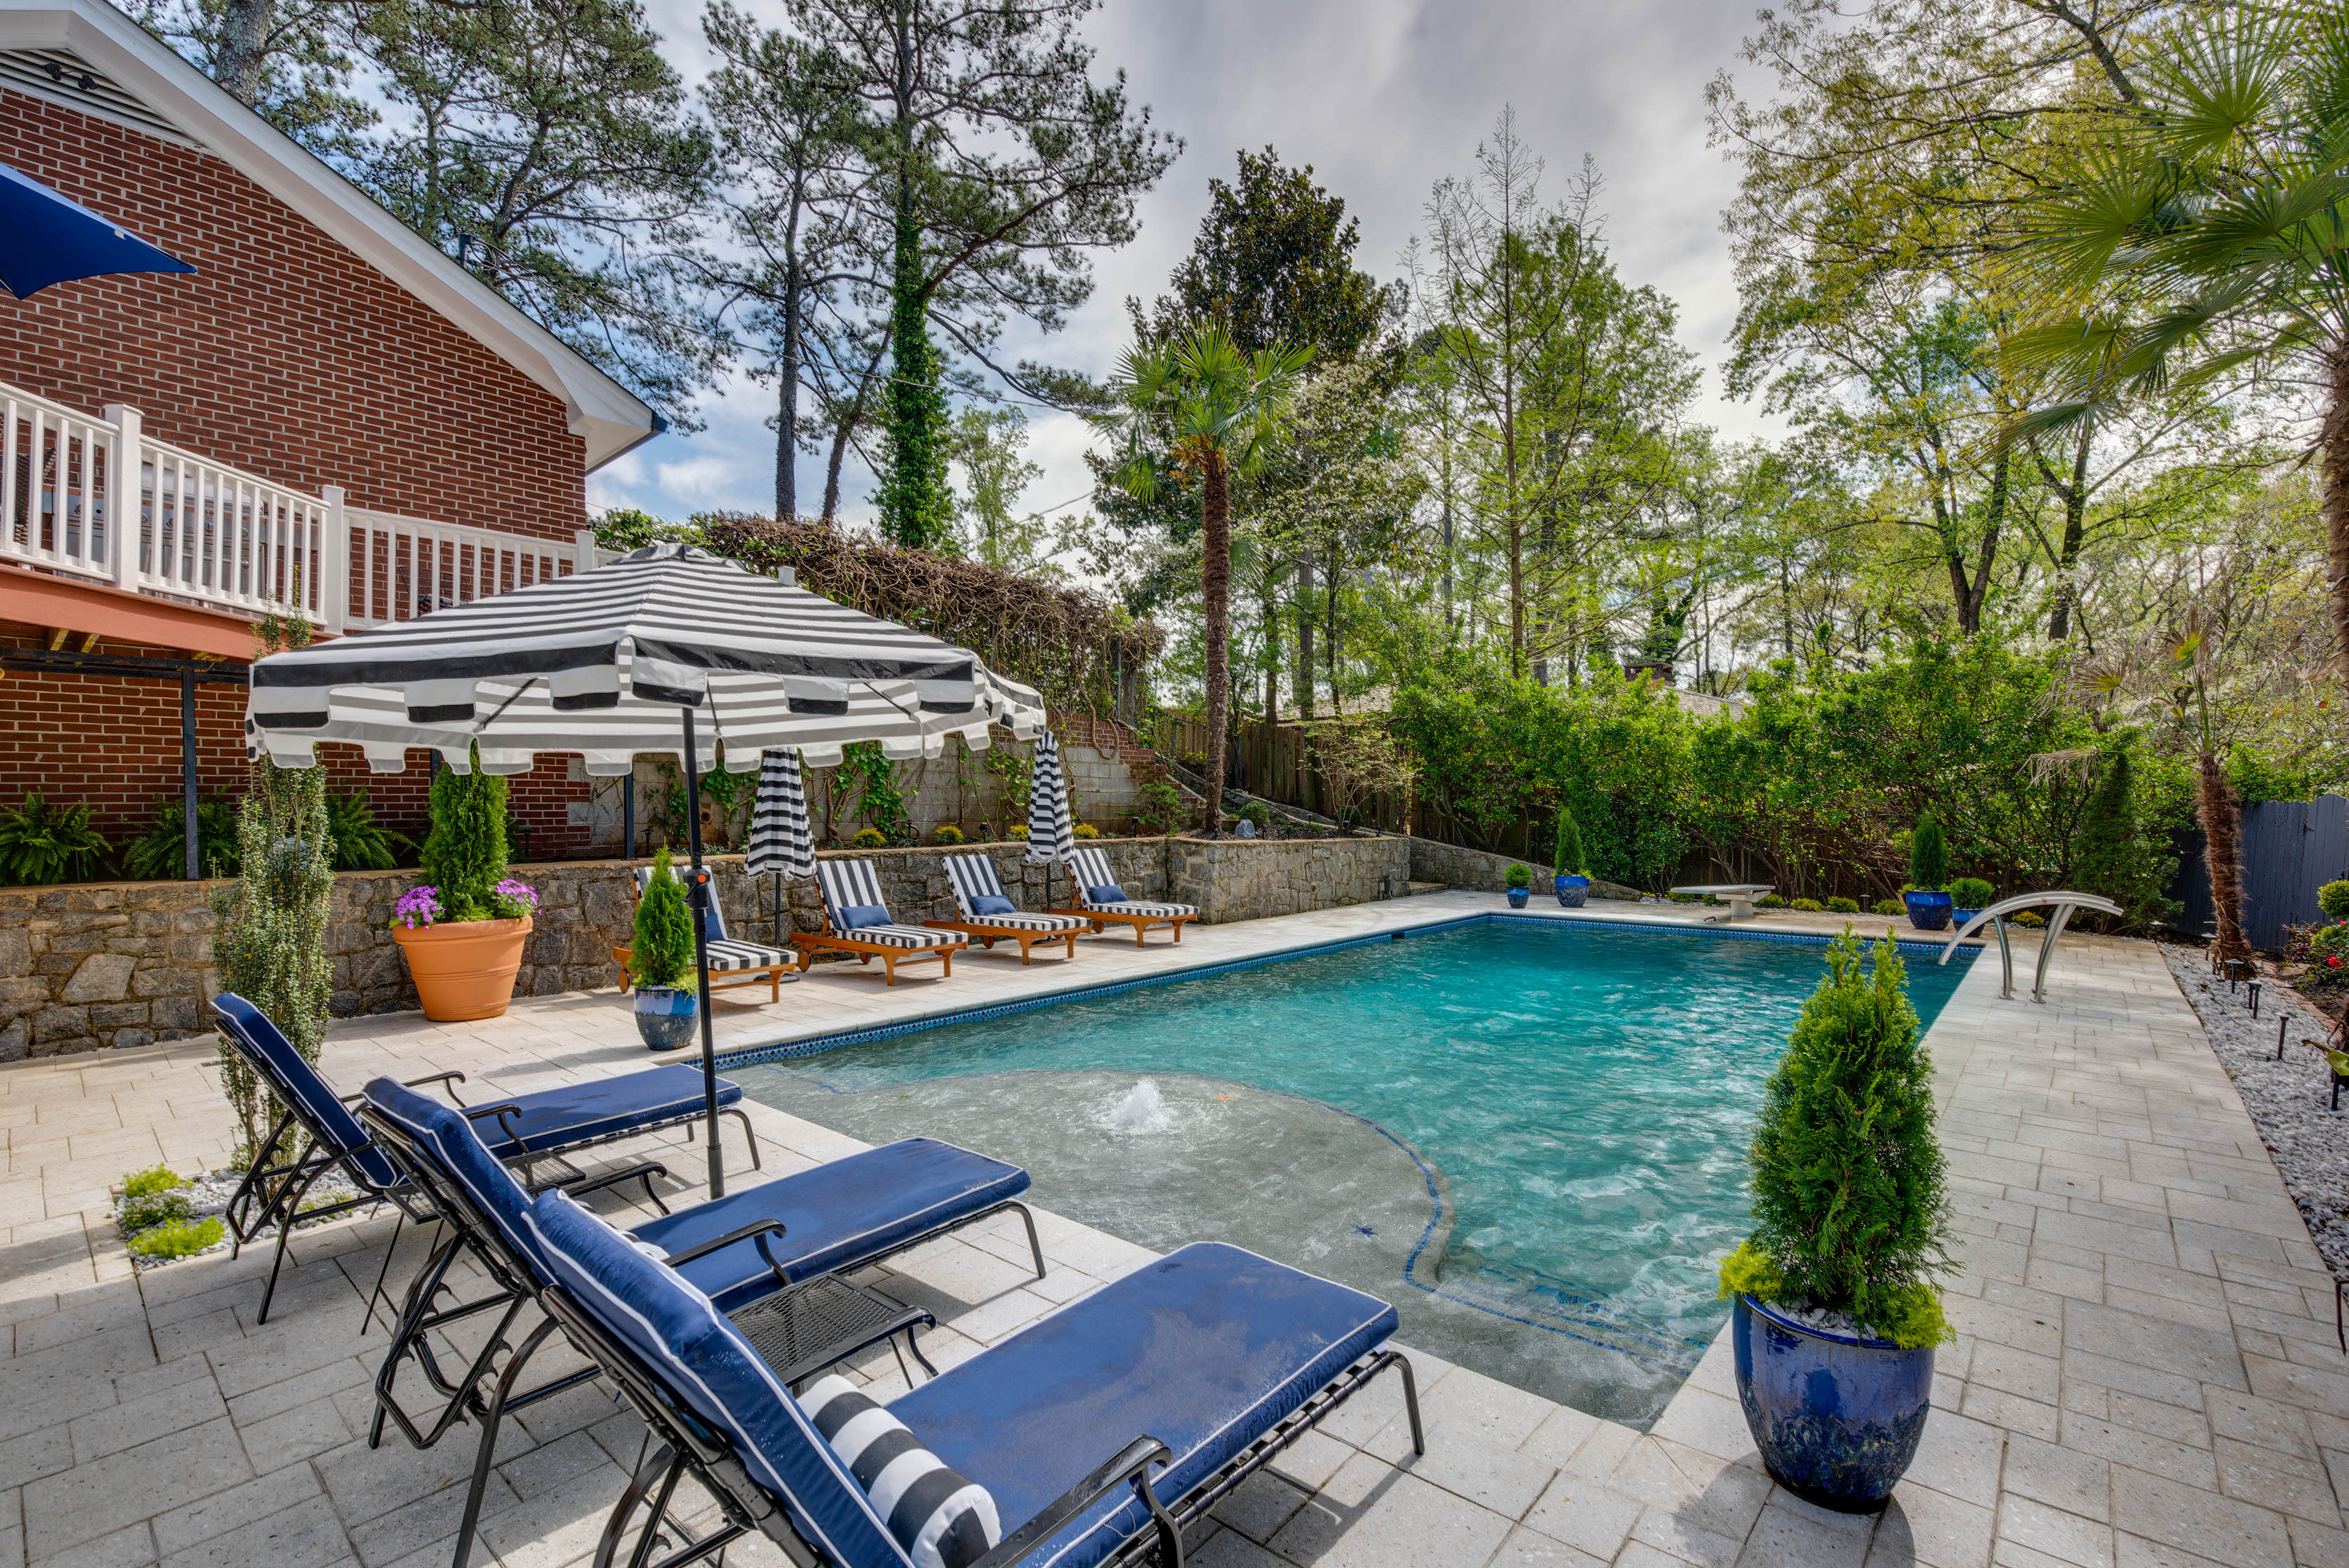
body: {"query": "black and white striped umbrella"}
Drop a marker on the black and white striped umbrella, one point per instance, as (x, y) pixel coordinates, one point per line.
(782, 840)
(1052, 838)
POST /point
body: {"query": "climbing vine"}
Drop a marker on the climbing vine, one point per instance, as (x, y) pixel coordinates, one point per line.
(877, 798)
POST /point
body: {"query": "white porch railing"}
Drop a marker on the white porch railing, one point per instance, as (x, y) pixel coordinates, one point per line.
(217, 536)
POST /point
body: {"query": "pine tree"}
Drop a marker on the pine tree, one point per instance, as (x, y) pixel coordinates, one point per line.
(2113, 858)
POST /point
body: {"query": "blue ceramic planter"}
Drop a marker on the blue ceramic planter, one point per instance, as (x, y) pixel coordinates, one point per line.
(665, 1015)
(1837, 1420)
(1964, 915)
(1519, 895)
(1928, 911)
(1571, 890)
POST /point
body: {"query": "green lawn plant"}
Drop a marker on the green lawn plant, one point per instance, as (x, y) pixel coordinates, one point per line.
(660, 953)
(465, 852)
(1928, 856)
(157, 1220)
(1849, 1207)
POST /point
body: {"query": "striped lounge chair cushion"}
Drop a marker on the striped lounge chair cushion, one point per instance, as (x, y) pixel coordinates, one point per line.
(974, 877)
(902, 935)
(851, 884)
(1090, 870)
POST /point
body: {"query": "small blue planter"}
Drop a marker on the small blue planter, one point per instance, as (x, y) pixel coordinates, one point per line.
(1837, 1420)
(665, 1015)
(1571, 890)
(1964, 915)
(1928, 911)
(1519, 895)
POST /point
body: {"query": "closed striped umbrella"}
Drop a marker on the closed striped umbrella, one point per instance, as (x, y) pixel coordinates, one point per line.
(643, 654)
(782, 840)
(1052, 838)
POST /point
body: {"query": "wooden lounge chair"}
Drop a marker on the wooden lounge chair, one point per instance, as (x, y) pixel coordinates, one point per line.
(732, 963)
(989, 914)
(856, 920)
(1089, 869)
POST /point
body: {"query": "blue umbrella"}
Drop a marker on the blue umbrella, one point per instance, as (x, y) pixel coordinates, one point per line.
(45, 238)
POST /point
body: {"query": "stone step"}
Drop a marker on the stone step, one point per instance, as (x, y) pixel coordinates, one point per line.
(1417, 888)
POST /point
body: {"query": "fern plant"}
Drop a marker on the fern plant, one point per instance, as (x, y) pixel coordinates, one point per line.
(356, 841)
(41, 844)
(1850, 1208)
(660, 953)
(160, 853)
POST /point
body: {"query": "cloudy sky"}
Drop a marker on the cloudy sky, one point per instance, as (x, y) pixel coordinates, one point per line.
(1383, 97)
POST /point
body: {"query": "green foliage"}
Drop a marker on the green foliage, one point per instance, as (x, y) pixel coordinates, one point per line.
(625, 529)
(916, 503)
(153, 1179)
(146, 1211)
(41, 844)
(660, 950)
(1751, 1271)
(1568, 856)
(178, 1239)
(1808, 906)
(1161, 806)
(270, 946)
(1084, 830)
(2117, 857)
(2029, 919)
(1849, 1197)
(1684, 897)
(869, 839)
(355, 841)
(465, 852)
(1769, 901)
(868, 781)
(1841, 905)
(1968, 893)
(1519, 876)
(1928, 856)
(946, 835)
(160, 853)
(2333, 898)
(1890, 906)
(1255, 812)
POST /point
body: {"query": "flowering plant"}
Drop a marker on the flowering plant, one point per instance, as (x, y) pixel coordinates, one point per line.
(513, 899)
(418, 906)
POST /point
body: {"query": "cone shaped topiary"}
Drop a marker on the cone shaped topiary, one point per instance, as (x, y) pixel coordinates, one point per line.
(661, 952)
(1568, 853)
(464, 855)
(1849, 1210)
(1929, 857)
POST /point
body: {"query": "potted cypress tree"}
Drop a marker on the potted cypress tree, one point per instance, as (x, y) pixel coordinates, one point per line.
(1572, 879)
(1837, 1316)
(660, 961)
(1926, 895)
(1518, 881)
(463, 928)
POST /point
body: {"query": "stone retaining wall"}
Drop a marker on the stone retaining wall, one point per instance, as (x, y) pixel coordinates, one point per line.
(1248, 879)
(1473, 871)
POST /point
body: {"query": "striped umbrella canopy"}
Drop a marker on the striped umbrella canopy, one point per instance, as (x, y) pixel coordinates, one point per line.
(1052, 837)
(781, 840)
(641, 654)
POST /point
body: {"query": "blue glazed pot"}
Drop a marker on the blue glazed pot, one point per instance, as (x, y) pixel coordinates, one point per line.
(1519, 895)
(1928, 911)
(1964, 915)
(1571, 890)
(665, 1015)
(1837, 1420)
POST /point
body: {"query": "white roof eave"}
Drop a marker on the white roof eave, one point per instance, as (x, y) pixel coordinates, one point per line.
(605, 415)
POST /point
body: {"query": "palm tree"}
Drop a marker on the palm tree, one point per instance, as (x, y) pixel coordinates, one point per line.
(2220, 202)
(1196, 408)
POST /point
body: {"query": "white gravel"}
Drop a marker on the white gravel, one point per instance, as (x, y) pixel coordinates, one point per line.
(2288, 1099)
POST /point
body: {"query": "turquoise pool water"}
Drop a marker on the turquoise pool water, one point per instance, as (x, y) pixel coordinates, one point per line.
(1530, 1137)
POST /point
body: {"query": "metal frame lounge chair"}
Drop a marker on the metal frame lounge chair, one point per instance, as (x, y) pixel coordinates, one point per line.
(974, 878)
(740, 963)
(770, 1255)
(1088, 870)
(1199, 1367)
(856, 920)
(316, 1133)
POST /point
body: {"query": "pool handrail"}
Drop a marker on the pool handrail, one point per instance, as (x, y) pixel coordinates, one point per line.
(2065, 903)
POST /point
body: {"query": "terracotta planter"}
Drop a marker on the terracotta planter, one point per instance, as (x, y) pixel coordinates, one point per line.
(464, 969)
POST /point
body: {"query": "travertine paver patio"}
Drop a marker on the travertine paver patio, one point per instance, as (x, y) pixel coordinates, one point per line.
(2146, 1373)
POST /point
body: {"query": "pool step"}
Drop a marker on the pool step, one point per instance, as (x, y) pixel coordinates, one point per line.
(1416, 888)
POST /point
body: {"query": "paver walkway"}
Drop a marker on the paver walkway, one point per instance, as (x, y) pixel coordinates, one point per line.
(2145, 1373)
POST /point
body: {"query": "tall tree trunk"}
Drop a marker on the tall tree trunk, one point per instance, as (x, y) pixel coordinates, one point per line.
(2222, 853)
(1305, 638)
(1214, 590)
(787, 410)
(2076, 527)
(1272, 645)
(2334, 444)
(1337, 707)
(245, 26)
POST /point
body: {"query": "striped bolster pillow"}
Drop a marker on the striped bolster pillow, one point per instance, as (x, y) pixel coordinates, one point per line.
(941, 1519)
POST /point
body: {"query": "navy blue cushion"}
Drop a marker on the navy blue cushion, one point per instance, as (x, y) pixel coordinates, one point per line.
(990, 904)
(679, 1337)
(297, 1083)
(1108, 893)
(602, 1107)
(447, 1139)
(1206, 1349)
(855, 914)
(837, 1215)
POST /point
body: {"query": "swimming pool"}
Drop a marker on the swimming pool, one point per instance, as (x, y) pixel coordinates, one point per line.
(1528, 1135)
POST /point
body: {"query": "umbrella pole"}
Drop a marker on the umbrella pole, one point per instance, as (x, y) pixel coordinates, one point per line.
(699, 881)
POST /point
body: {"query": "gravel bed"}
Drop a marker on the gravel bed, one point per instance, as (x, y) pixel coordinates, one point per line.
(2288, 1099)
(207, 1198)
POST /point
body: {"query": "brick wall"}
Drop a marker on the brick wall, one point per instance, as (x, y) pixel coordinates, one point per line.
(283, 353)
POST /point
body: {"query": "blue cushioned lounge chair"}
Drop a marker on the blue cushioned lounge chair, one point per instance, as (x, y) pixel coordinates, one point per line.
(767, 1254)
(1100, 1431)
(314, 1132)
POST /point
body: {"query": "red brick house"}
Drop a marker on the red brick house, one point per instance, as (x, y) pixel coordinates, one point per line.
(327, 413)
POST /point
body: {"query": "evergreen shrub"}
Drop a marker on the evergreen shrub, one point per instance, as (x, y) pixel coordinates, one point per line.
(1570, 860)
(1971, 892)
(1928, 856)
(1808, 906)
(869, 839)
(1890, 906)
(2333, 898)
(1517, 875)
(465, 852)
(1844, 906)
(1850, 1211)
(660, 953)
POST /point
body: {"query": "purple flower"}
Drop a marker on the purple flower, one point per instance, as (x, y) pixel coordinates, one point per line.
(416, 906)
(518, 898)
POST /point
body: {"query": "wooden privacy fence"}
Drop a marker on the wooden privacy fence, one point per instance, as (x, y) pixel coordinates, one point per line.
(1276, 762)
(2290, 848)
